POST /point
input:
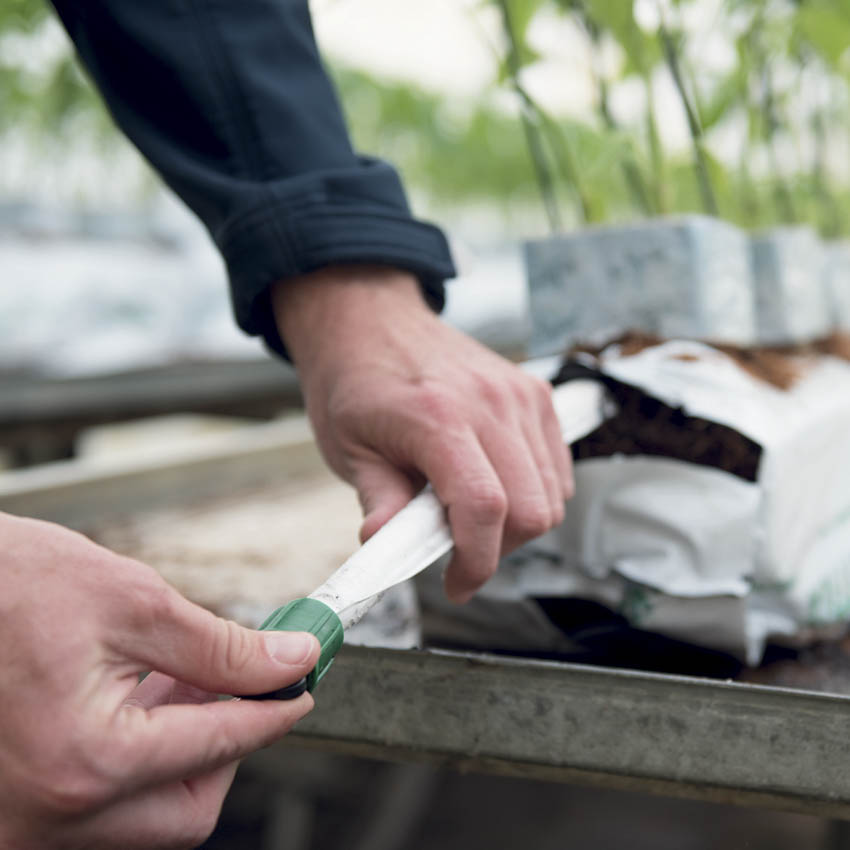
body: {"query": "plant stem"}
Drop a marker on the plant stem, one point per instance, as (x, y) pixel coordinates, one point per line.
(781, 192)
(709, 199)
(562, 151)
(750, 212)
(533, 136)
(566, 160)
(830, 214)
(769, 120)
(631, 172)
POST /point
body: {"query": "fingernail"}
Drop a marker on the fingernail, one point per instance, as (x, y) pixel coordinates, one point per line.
(290, 647)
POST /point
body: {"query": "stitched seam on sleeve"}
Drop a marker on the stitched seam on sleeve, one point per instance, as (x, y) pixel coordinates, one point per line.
(402, 229)
(306, 211)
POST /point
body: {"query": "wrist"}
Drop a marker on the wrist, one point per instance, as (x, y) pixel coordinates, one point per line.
(343, 303)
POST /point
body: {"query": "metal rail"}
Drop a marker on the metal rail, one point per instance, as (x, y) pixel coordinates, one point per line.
(75, 493)
(670, 735)
(41, 417)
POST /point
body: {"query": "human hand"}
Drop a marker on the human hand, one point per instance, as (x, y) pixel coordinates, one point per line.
(396, 397)
(88, 757)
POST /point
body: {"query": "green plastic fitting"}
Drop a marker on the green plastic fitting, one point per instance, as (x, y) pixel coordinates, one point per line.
(310, 615)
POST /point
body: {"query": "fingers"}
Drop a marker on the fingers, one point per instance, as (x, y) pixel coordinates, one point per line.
(173, 816)
(499, 491)
(551, 455)
(383, 491)
(530, 483)
(171, 742)
(548, 478)
(168, 730)
(557, 452)
(159, 689)
(467, 485)
(181, 639)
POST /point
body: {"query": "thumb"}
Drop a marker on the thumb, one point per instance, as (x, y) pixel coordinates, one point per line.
(383, 491)
(196, 647)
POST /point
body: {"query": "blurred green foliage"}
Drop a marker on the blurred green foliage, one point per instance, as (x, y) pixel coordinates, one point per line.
(461, 154)
(583, 167)
(45, 97)
(22, 15)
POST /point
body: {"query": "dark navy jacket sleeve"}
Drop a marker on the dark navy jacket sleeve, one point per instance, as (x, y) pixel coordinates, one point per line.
(229, 101)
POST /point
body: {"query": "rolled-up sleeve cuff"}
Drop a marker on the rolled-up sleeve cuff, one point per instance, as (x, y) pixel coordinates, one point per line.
(275, 243)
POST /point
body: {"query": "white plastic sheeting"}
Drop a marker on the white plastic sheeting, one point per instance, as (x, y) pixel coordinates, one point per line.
(690, 551)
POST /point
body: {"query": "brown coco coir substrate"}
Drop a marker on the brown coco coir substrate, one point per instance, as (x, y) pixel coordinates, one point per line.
(647, 426)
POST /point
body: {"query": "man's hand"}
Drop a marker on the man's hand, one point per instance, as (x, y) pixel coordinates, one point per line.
(396, 398)
(88, 757)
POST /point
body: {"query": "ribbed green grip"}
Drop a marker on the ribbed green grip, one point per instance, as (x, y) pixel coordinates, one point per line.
(310, 615)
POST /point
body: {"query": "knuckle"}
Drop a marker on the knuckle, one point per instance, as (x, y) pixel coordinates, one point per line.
(488, 504)
(531, 521)
(232, 648)
(153, 600)
(436, 404)
(534, 393)
(492, 393)
(569, 488)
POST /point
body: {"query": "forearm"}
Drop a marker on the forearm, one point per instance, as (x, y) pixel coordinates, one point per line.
(231, 104)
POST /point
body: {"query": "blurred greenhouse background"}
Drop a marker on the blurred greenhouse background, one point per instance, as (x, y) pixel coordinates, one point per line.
(507, 118)
(602, 109)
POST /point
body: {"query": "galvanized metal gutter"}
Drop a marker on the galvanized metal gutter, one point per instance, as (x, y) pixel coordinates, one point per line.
(671, 735)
